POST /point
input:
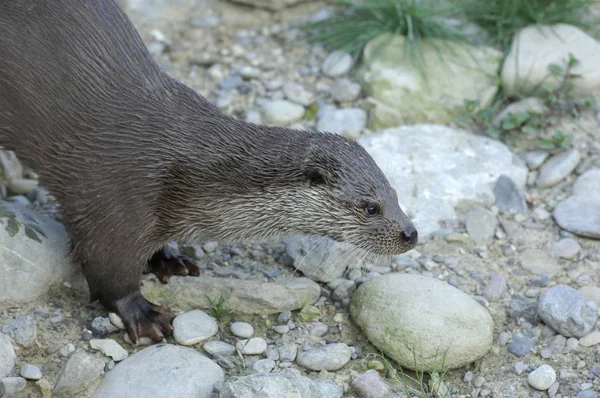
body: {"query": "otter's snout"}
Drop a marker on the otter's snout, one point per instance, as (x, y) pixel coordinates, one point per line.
(410, 236)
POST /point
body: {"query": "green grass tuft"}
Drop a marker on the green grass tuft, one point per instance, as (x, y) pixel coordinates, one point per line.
(361, 21)
(502, 19)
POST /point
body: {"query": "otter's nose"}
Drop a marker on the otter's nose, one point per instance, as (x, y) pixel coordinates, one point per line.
(410, 236)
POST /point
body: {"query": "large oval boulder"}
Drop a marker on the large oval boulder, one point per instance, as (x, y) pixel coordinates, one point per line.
(421, 322)
(162, 370)
(536, 47)
(34, 253)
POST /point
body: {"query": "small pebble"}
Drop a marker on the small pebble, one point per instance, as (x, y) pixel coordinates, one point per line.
(479, 381)
(67, 350)
(109, 348)
(263, 365)
(558, 168)
(329, 357)
(519, 368)
(590, 339)
(30, 372)
(217, 347)
(565, 248)
(503, 338)
(542, 378)
(319, 330)
(288, 352)
(572, 343)
(553, 389)
(194, 327)
(521, 345)
(281, 329)
(337, 64)
(284, 316)
(566, 311)
(281, 112)
(116, 320)
(296, 92)
(344, 90)
(468, 377)
(535, 159)
(253, 346)
(495, 288)
(376, 365)
(102, 327)
(210, 246)
(585, 386)
(242, 329)
(272, 353)
(371, 385)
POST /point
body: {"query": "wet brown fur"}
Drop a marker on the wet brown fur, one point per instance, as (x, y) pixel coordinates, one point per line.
(137, 159)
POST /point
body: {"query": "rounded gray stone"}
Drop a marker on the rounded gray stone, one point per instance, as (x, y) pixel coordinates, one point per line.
(329, 357)
(281, 112)
(565, 310)
(296, 92)
(194, 327)
(218, 348)
(579, 215)
(344, 90)
(371, 385)
(242, 329)
(588, 184)
(508, 196)
(288, 352)
(542, 378)
(347, 121)
(253, 346)
(264, 365)
(521, 345)
(495, 288)
(337, 63)
(281, 329)
(558, 167)
(12, 385)
(162, 370)
(565, 248)
(30, 372)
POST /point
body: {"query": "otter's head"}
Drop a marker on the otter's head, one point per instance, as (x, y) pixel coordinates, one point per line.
(347, 197)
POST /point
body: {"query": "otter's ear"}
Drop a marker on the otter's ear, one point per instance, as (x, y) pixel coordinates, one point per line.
(316, 175)
(321, 170)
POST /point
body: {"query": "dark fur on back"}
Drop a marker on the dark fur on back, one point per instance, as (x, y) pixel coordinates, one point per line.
(137, 159)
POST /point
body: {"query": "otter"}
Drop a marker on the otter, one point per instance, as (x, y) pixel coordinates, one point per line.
(137, 159)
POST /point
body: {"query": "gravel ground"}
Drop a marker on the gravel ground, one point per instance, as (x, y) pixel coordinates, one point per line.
(531, 260)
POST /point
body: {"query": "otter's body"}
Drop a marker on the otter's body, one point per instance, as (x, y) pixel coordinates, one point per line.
(136, 159)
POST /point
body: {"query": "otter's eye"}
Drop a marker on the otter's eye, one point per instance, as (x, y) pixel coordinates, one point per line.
(372, 210)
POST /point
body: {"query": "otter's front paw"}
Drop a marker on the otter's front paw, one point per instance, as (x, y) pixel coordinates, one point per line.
(142, 318)
(164, 264)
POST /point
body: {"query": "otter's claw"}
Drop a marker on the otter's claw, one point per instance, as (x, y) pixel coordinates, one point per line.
(143, 319)
(164, 264)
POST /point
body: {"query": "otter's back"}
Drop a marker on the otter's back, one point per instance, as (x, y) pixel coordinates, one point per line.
(68, 67)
